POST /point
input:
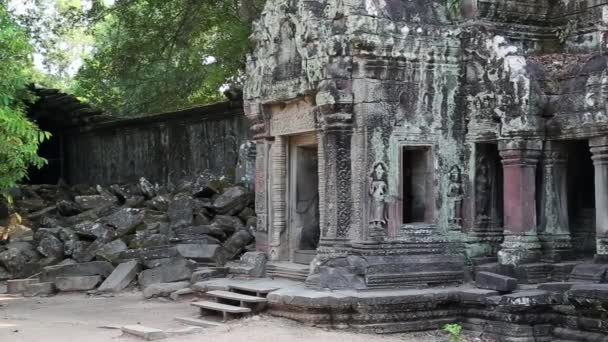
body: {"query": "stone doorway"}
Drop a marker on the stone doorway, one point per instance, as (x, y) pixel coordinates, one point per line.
(581, 197)
(303, 200)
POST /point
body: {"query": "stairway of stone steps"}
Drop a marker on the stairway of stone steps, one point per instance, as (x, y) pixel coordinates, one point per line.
(287, 270)
(246, 300)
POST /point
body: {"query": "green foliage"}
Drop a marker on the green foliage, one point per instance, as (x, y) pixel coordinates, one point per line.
(19, 137)
(158, 55)
(455, 331)
(454, 8)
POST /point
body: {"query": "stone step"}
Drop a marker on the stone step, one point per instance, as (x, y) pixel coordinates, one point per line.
(236, 296)
(260, 290)
(224, 309)
(197, 322)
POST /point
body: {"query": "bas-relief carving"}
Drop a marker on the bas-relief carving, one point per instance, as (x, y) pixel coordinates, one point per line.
(378, 193)
(293, 118)
(455, 194)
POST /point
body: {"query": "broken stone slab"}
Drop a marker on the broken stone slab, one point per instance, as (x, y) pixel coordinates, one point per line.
(121, 277)
(180, 210)
(176, 270)
(68, 208)
(153, 263)
(94, 201)
(559, 287)
(182, 292)
(164, 289)
(235, 244)
(257, 262)
(21, 259)
(146, 188)
(147, 333)
(101, 268)
(160, 203)
(201, 252)
(95, 230)
(216, 232)
(197, 322)
(195, 239)
(111, 251)
(588, 294)
(17, 286)
(4, 274)
(143, 254)
(229, 224)
(589, 272)
(233, 200)
(494, 281)
(208, 273)
(83, 283)
(203, 187)
(125, 220)
(51, 247)
(39, 289)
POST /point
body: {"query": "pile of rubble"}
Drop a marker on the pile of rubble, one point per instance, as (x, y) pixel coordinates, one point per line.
(160, 234)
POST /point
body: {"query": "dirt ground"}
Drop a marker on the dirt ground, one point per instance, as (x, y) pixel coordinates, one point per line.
(81, 317)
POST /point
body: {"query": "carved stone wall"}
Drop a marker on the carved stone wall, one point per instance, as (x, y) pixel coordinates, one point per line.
(162, 148)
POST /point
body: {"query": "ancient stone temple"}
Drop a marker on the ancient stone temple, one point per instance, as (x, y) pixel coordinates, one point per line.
(403, 142)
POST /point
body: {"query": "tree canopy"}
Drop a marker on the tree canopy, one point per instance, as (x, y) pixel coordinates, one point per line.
(19, 137)
(158, 55)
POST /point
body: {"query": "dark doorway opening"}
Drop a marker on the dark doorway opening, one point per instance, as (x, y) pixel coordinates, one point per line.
(416, 183)
(581, 197)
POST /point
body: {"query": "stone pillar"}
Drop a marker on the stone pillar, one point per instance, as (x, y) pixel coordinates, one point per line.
(278, 247)
(554, 230)
(336, 138)
(599, 149)
(519, 159)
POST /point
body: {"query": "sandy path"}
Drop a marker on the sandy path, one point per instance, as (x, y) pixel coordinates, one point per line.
(78, 317)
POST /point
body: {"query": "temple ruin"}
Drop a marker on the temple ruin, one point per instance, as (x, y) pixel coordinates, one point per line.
(436, 138)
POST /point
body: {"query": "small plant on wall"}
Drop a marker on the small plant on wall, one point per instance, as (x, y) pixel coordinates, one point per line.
(455, 331)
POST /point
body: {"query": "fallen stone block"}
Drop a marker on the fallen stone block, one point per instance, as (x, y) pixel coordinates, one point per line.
(256, 261)
(208, 273)
(177, 270)
(17, 286)
(183, 331)
(147, 333)
(111, 251)
(101, 268)
(93, 201)
(182, 292)
(493, 281)
(39, 289)
(84, 283)
(233, 200)
(201, 252)
(197, 322)
(125, 221)
(121, 277)
(151, 253)
(589, 272)
(559, 287)
(164, 289)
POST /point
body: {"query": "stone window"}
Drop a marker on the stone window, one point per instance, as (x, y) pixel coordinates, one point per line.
(416, 184)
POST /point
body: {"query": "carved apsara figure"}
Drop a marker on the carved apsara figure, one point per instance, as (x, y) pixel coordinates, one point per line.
(378, 189)
(455, 192)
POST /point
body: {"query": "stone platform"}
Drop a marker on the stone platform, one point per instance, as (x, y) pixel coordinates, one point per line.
(547, 312)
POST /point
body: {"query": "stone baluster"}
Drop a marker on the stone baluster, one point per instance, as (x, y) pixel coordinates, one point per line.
(519, 159)
(554, 227)
(599, 150)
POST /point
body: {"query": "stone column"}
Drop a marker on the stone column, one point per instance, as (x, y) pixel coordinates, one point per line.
(554, 230)
(519, 159)
(599, 149)
(336, 138)
(278, 247)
